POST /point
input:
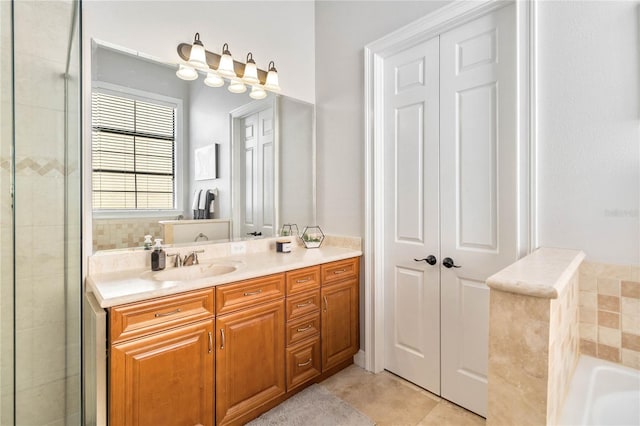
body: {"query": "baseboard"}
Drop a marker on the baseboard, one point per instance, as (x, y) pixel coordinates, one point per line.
(359, 359)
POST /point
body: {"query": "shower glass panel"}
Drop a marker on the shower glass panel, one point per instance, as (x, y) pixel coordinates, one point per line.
(40, 148)
(6, 217)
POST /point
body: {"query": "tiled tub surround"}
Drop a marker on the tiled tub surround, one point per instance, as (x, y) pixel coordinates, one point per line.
(610, 312)
(118, 277)
(533, 337)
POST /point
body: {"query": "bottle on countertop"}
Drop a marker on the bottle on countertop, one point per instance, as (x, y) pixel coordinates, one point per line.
(147, 242)
(158, 256)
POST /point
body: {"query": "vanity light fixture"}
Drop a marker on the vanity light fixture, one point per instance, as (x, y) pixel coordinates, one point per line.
(197, 58)
(250, 71)
(272, 78)
(237, 86)
(186, 72)
(221, 67)
(225, 68)
(213, 79)
(257, 92)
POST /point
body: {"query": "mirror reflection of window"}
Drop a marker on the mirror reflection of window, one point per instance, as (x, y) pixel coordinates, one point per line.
(133, 152)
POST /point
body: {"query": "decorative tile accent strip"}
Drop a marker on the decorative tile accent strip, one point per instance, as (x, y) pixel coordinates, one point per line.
(610, 312)
(30, 166)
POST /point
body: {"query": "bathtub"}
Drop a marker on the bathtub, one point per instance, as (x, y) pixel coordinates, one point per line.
(602, 393)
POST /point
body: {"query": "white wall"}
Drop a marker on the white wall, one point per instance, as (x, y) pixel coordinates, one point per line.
(342, 30)
(589, 158)
(209, 123)
(282, 31)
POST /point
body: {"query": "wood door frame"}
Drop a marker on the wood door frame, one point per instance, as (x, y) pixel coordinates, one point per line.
(435, 23)
(235, 117)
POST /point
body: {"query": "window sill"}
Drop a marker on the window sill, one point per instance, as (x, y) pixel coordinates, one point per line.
(132, 214)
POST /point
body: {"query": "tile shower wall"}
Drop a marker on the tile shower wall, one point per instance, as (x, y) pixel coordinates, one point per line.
(46, 296)
(610, 312)
(124, 233)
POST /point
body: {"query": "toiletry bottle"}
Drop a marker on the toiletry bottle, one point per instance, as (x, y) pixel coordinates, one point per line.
(158, 256)
(147, 242)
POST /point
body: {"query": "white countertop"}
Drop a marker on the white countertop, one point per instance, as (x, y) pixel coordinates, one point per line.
(544, 273)
(133, 285)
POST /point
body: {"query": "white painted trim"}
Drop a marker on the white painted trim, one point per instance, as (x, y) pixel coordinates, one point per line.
(359, 359)
(441, 20)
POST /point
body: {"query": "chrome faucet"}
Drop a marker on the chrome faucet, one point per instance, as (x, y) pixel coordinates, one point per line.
(178, 262)
(192, 258)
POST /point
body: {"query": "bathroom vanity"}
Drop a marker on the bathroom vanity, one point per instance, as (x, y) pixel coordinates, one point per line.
(224, 349)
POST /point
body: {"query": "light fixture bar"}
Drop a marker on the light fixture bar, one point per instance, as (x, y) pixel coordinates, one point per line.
(213, 60)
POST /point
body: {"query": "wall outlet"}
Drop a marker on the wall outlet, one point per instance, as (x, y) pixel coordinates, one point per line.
(238, 248)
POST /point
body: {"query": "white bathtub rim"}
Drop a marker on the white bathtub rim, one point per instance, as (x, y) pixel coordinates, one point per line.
(581, 388)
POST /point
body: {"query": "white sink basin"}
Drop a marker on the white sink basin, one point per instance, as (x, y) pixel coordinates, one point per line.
(195, 272)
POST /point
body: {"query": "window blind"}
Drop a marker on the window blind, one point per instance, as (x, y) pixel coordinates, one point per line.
(133, 150)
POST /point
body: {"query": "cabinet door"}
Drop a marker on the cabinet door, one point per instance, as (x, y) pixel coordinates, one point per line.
(250, 363)
(339, 322)
(165, 378)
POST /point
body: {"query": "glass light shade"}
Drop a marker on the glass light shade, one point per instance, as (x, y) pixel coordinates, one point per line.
(213, 80)
(257, 92)
(186, 72)
(251, 73)
(237, 86)
(225, 68)
(272, 80)
(197, 58)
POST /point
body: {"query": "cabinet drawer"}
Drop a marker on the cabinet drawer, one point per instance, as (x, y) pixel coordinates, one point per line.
(303, 328)
(303, 279)
(303, 362)
(142, 318)
(303, 304)
(342, 269)
(244, 294)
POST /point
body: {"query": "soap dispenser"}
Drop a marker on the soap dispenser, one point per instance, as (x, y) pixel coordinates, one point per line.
(147, 242)
(158, 256)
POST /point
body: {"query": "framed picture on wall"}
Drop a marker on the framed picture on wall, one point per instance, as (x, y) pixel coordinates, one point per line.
(206, 162)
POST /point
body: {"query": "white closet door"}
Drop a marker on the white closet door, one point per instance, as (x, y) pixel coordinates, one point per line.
(257, 176)
(412, 296)
(266, 173)
(478, 192)
(249, 175)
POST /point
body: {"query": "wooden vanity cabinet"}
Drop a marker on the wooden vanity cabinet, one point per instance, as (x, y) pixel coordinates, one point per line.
(225, 355)
(165, 376)
(250, 355)
(339, 298)
(303, 326)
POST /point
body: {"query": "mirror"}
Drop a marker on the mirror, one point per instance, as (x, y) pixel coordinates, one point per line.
(211, 122)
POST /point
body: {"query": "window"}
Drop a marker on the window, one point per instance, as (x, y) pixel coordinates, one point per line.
(133, 153)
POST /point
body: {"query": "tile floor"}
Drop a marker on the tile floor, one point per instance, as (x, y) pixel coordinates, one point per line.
(389, 400)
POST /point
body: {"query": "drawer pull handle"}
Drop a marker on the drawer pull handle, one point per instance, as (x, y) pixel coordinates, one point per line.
(222, 338)
(300, 305)
(300, 330)
(253, 293)
(340, 271)
(210, 342)
(166, 314)
(305, 363)
(326, 304)
(305, 280)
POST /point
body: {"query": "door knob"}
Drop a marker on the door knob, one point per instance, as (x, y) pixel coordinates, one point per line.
(447, 262)
(431, 259)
